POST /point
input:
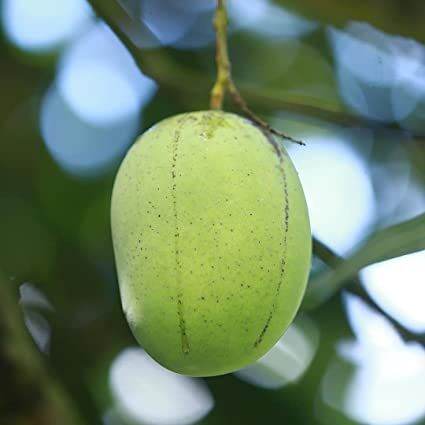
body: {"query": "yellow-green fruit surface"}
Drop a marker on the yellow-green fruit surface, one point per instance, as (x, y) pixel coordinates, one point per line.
(212, 242)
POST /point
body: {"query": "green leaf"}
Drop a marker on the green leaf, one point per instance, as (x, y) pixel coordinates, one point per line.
(395, 241)
(398, 17)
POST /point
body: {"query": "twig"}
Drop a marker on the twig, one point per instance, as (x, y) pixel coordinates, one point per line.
(240, 101)
(354, 285)
(224, 82)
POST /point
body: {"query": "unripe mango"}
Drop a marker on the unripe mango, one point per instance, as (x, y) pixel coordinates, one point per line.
(212, 242)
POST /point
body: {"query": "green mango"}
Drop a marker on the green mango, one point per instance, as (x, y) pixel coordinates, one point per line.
(212, 242)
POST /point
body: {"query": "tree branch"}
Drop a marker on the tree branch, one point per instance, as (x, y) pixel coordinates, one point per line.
(354, 285)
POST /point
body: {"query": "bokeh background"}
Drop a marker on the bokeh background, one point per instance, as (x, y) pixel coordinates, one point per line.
(348, 78)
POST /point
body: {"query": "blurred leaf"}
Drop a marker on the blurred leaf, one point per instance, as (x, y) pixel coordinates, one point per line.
(286, 68)
(395, 241)
(28, 250)
(401, 17)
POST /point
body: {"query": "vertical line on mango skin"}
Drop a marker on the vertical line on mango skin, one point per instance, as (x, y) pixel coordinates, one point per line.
(180, 309)
(283, 258)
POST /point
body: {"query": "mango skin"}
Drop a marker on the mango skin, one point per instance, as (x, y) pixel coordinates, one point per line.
(212, 242)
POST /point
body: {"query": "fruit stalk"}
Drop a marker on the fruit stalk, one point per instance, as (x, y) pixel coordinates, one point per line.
(222, 57)
(224, 81)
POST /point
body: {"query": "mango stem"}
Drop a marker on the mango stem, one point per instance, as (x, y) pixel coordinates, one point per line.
(224, 81)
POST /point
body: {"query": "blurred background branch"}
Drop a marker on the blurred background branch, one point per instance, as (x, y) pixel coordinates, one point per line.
(318, 293)
(400, 239)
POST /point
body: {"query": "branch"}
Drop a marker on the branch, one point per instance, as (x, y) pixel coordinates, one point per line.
(385, 244)
(354, 285)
